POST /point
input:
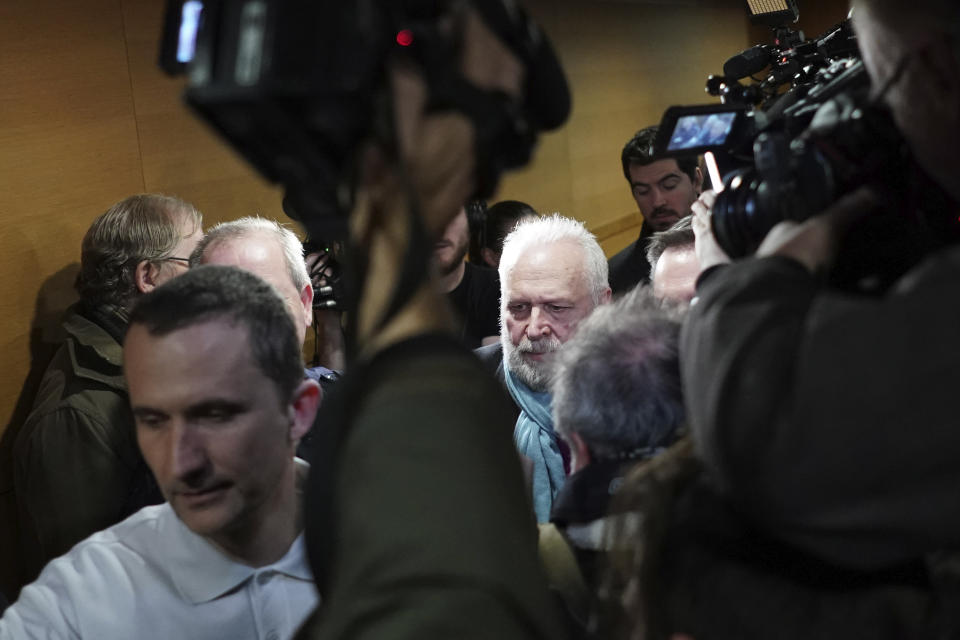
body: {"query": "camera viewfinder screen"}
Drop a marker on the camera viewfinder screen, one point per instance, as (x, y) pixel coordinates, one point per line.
(702, 130)
(189, 25)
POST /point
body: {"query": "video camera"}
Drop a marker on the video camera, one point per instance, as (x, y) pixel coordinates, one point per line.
(295, 85)
(789, 154)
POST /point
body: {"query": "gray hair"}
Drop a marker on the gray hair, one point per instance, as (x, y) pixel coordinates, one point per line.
(244, 227)
(617, 380)
(548, 230)
(680, 234)
(142, 227)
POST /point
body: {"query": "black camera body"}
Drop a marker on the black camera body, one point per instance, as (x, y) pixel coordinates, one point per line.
(794, 154)
(295, 85)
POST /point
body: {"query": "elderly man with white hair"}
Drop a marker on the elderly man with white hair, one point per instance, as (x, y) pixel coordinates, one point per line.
(553, 274)
(274, 253)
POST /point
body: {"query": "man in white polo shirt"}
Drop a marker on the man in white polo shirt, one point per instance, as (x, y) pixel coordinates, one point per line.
(218, 394)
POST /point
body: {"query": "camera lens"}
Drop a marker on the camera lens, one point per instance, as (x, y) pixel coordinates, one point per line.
(742, 213)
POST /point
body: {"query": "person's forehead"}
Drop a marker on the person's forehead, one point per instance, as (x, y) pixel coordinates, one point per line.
(205, 351)
(676, 259)
(259, 254)
(869, 28)
(191, 367)
(552, 266)
(653, 172)
(675, 275)
(210, 328)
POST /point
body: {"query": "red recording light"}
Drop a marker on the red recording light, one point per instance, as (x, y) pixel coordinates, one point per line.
(405, 37)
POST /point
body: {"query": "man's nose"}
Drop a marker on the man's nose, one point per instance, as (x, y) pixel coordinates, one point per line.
(189, 458)
(538, 327)
(659, 197)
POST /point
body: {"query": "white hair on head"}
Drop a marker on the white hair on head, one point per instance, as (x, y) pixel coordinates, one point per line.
(243, 227)
(549, 230)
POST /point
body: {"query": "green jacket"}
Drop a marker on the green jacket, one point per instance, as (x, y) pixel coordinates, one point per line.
(418, 522)
(77, 466)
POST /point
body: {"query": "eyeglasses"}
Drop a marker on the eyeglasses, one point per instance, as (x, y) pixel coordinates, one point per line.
(881, 91)
(185, 261)
(877, 95)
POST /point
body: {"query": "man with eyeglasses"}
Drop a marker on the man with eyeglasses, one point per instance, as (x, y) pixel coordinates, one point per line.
(77, 469)
(830, 417)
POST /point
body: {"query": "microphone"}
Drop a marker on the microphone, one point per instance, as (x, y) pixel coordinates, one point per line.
(748, 62)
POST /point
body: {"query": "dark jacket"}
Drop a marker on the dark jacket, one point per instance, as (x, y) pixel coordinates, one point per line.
(694, 564)
(629, 267)
(720, 577)
(418, 525)
(476, 301)
(831, 419)
(78, 468)
(327, 379)
(581, 511)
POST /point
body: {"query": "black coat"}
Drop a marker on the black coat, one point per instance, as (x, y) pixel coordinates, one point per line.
(829, 419)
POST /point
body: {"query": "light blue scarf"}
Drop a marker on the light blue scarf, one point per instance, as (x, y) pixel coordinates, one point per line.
(536, 439)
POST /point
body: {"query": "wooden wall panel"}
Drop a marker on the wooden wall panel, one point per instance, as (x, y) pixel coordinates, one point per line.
(86, 118)
(626, 63)
(180, 154)
(68, 148)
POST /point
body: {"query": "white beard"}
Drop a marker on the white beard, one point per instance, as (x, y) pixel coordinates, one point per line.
(536, 375)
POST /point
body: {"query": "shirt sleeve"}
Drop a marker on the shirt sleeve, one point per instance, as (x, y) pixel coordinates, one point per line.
(44, 611)
(828, 418)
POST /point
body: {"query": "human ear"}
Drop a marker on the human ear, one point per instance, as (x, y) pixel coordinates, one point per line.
(145, 276)
(303, 408)
(579, 452)
(306, 299)
(489, 257)
(697, 180)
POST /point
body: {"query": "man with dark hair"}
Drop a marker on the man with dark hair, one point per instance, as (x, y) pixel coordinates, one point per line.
(664, 189)
(498, 221)
(617, 400)
(473, 290)
(77, 469)
(674, 265)
(216, 386)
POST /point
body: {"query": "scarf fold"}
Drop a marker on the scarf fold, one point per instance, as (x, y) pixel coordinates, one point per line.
(536, 439)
